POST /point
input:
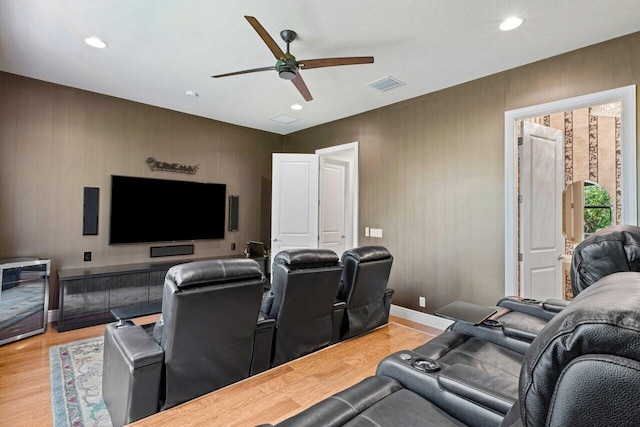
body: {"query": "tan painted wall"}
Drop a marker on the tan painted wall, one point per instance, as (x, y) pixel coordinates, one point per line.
(55, 140)
(432, 169)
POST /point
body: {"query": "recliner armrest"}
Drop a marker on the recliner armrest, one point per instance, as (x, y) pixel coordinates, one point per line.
(267, 302)
(527, 306)
(262, 344)
(485, 388)
(337, 316)
(426, 384)
(555, 305)
(388, 294)
(132, 369)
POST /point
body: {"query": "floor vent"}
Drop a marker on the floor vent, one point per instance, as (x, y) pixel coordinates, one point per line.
(386, 83)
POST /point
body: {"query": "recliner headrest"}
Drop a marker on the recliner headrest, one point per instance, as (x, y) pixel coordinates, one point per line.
(602, 321)
(610, 250)
(214, 272)
(368, 253)
(297, 259)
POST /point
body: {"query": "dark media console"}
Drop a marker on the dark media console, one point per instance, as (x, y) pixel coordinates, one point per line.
(87, 295)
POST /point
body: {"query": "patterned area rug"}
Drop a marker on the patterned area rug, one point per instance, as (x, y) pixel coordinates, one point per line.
(76, 384)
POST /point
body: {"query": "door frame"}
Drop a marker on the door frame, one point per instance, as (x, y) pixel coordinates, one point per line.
(351, 149)
(626, 95)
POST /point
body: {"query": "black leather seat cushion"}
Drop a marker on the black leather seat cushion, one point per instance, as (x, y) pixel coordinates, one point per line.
(610, 250)
(301, 300)
(583, 370)
(205, 339)
(476, 376)
(376, 402)
(364, 289)
(589, 353)
(297, 259)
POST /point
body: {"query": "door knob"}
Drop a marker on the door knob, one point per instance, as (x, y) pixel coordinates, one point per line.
(560, 257)
(276, 240)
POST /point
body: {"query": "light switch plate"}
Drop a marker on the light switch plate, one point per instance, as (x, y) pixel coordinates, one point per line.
(366, 231)
(376, 232)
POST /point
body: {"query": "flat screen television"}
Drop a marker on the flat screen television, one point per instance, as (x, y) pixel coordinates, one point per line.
(160, 210)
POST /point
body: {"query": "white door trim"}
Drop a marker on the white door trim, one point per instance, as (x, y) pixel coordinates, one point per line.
(627, 95)
(337, 149)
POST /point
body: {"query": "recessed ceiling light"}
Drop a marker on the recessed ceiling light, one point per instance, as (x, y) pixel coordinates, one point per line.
(296, 107)
(95, 42)
(511, 23)
(191, 93)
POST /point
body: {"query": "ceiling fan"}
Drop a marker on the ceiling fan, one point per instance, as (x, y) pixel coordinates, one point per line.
(287, 66)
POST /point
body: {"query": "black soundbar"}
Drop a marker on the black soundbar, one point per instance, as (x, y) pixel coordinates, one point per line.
(158, 251)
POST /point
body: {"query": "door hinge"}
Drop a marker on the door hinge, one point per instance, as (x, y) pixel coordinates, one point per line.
(520, 140)
(520, 199)
(520, 257)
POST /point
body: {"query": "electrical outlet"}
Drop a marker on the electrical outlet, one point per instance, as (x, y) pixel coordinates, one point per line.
(233, 246)
(422, 301)
(87, 256)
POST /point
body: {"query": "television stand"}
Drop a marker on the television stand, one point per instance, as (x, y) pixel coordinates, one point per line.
(89, 295)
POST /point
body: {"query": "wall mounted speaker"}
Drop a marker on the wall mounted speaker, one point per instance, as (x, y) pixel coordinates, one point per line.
(90, 211)
(158, 251)
(233, 212)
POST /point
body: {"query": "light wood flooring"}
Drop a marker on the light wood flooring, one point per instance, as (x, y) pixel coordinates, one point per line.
(25, 392)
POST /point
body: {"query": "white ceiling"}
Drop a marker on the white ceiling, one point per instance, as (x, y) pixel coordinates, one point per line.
(157, 49)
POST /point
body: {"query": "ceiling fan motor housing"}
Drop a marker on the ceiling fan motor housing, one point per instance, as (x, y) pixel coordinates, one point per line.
(287, 68)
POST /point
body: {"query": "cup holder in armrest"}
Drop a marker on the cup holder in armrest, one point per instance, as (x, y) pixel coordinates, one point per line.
(426, 365)
(530, 301)
(493, 323)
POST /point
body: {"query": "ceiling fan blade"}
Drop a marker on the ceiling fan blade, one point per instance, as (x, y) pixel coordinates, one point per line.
(255, 70)
(302, 88)
(333, 62)
(271, 44)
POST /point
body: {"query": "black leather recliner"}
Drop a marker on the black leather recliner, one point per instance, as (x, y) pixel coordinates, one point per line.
(583, 369)
(364, 289)
(518, 321)
(208, 336)
(302, 300)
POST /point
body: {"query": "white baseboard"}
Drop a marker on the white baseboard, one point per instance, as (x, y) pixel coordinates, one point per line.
(420, 317)
(52, 316)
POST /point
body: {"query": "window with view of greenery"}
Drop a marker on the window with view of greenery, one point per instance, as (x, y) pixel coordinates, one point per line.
(597, 208)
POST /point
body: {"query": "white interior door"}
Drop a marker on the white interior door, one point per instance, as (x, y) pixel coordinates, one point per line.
(541, 185)
(333, 204)
(294, 198)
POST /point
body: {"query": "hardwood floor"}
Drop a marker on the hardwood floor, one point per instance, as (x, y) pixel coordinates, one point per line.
(25, 393)
(25, 379)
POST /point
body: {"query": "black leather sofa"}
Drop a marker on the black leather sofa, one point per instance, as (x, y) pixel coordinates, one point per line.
(364, 289)
(518, 321)
(302, 302)
(208, 336)
(583, 369)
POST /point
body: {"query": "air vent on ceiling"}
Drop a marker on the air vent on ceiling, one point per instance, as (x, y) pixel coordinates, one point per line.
(386, 83)
(284, 119)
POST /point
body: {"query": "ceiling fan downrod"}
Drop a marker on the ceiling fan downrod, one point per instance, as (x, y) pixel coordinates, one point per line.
(287, 67)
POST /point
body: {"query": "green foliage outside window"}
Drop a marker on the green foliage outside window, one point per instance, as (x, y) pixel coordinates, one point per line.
(597, 208)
